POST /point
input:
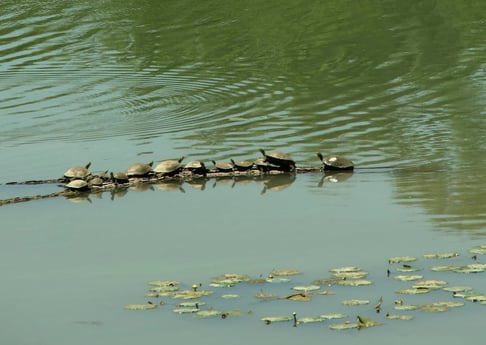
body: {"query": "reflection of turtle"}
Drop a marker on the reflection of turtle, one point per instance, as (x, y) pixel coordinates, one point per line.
(277, 183)
(223, 166)
(78, 172)
(169, 167)
(196, 167)
(242, 165)
(139, 169)
(119, 177)
(335, 162)
(280, 159)
(77, 185)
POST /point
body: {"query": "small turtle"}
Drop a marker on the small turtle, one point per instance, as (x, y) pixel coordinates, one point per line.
(335, 162)
(78, 172)
(169, 167)
(77, 185)
(139, 169)
(196, 167)
(119, 177)
(223, 166)
(242, 165)
(262, 165)
(279, 159)
(96, 181)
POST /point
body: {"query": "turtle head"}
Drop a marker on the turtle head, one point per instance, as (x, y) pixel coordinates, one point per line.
(321, 157)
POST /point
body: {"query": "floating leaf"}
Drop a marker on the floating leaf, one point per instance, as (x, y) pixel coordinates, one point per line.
(457, 288)
(478, 250)
(443, 268)
(327, 281)
(355, 301)
(406, 307)
(230, 296)
(429, 284)
(343, 326)
(230, 279)
(208, 313)
(192, 304)
(191, 294)
(185, 310)
(431, 308)
(408, 268)
(277, 280)
(310, 319)
(270, 319)
(222, 284)
(306, 288)
(364, 322)
(354, 282)
(144, 306)
(166, 283)
(304, 297)
(412, 291)
(472, 268)
(399, 259)
(350, 275)
(408, 277)
(476, 298)
(448, 304)
(163, 288)
(332, 316)
(441, 255)
(345, 269)
(263, 295)
(399, 317)
(287, 272)
(326, 292)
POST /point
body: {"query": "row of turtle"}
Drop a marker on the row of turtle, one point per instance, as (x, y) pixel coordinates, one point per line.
(80, 177)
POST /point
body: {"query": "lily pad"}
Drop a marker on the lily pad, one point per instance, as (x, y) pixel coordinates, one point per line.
(441, 255)
(406, 307)
(364, 322)
(306, 287)
(304, 297)
(431, 308)
(162, 288)
(399, 259)
(164, 283)
(343, 326)
(473, 268)
(429, 284)
(399, 317)
(208, 313)
(412, 291)
(326, 292)
(186, 310)
(263, 295)
(143, 306)
(355, 301)
(448, 304)
(408, 277)
(310, 319)
(443, 268)
(192, 304)
(277, 280)
(332, 316)
(345, 269)
(476, 298)
(478, 250)
(457, 288)
(409, 268)
(271, 319)
(191, 294)
(350, 275)
(286, 272)
(354, 282)
(230, 296)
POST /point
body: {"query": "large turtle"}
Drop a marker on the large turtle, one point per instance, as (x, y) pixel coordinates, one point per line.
(196, 167)
(119, 177)
(169, 167)
(242, 165)
(223, 166)
(335, 162)
(77, 185)
(139, 169)
(279, 159)
(78, 172)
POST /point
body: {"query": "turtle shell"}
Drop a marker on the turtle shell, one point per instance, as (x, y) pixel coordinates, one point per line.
(278, 158)
(335, 162)
(168, 167)
(78, 172)
(242, 165)
(96, 181)
(119, 177)
(139, 169)
(223, 166)
(196, 167)
(77, 184)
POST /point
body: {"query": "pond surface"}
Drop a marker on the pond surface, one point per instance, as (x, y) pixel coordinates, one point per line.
(392, 85)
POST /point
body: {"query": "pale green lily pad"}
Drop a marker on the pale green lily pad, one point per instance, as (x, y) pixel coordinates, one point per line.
(429, 284)
(191, 294)
(343, 326)
(166, 283)
(326, 292)
(408, 277)
(406, 307)
(412, 291)
(476, 298)
(441, 255)
(306, 288)
(230, 296)
(270, 319)
(399, 259)
(143, 306)
(208, 313)
(478, 250)
(472, 268)
(355, 301)
(229, 279)
(448, 304)
(409, 268)
(186, 310)
(345, 269)
(192, 304)
(327, 281)
(152, 295)
(350, 275)
(303, 297)
(399, 317)
(286, 272)
(443, 268)
(310, 319)
(354, 282)
(431, 308)
(263, 295)
(364, 322)
(457, 288)
(332, 316)
(222, 284)
(277, 280)
(163, 288)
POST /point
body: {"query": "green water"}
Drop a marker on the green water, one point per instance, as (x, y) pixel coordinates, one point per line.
(387, 83)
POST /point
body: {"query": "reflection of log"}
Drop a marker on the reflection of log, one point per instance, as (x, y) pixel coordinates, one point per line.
(273, 180)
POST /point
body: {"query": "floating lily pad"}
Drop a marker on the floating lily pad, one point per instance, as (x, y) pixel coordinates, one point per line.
(277, 280)
(263, 295)
(350, 275)
(163, 288)
(343, 326)
(478, 250)
(186, 310)
(476, 298)
(191, 294)
(399, 259)
(457, 288)
(144, 306)
(355, 301)
(332, 316)
(327, 281)
(448, 304)
(409, 268)
(364, 322)
(406, 307)
(152, 295)
(287, 272)
(164, 283)
(222, 284)
(208, 313)
(192, 304)
(441, 255)
(310, 319)
(472, 268)
(399, 317)
(345, 269)
(429, 284)
(326, 292)
(354, 282)
(443, 268)
(230, 296)
(412, 291)
(408, 277)
(229, 279)
(270, 319)
(306, 287)
(304, 297)
(431, 308)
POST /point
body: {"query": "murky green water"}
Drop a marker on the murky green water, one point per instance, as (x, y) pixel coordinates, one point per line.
(387, 83)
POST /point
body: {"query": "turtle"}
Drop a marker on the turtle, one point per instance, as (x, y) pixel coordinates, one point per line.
(77, 185)
(139, 169)
(335, 162)
(242, 165)
(96, 181)
(196, 167)
(279, 159)
(119, 177)
(262, 164)
(223, 166)
(169, 167)
(78, 172)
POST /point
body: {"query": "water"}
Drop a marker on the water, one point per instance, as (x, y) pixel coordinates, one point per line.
(385, 83)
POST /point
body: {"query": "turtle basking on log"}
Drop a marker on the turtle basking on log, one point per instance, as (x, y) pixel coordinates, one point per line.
(335, 162)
